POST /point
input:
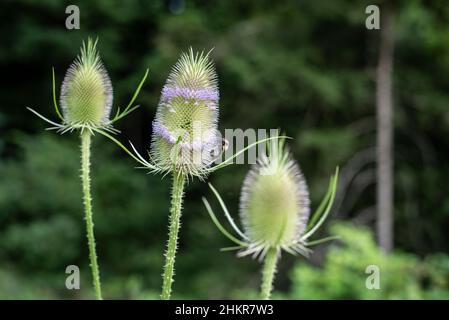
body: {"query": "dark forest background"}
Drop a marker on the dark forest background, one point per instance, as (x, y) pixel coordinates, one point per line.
(308, 67)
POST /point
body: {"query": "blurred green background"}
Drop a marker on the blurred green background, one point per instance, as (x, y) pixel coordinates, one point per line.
(307, 67)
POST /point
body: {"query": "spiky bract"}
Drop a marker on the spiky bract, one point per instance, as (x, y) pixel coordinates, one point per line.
(274, 202)
(86, 92)
(185, 128)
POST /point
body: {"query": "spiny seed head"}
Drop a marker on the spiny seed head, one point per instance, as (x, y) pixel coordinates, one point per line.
(86, 92)
(274, 202)
(185, 132)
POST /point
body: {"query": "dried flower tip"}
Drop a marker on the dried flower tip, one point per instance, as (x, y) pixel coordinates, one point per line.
(185, 127)
(86, 93)
(274, 202)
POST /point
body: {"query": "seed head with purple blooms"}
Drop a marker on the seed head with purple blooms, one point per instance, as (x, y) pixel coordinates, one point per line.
(185, 128)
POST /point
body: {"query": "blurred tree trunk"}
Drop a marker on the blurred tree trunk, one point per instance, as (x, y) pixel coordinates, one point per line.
(384, 108)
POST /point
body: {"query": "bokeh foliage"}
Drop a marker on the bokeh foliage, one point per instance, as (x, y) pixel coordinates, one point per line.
(344, 272)
(307, 67)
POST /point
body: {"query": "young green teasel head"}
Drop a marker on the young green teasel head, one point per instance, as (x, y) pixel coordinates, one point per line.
(274, 211)
(275, 205)
(86, 92)
(274, 202)
(87, 95)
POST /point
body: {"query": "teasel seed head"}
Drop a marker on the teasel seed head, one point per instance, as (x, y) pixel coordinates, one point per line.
(86, 92)
(185, 128)
(274, 201)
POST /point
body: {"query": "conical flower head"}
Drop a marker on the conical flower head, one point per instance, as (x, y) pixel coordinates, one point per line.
(274, 202)
(86, 92)
(185, 132)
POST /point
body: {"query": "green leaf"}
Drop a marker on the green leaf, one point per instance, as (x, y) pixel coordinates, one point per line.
(225, 210)
(129, 108)
(141, 161)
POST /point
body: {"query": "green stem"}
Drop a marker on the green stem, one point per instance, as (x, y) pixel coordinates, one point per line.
(85, 177)
(175, 223)
(268, 272)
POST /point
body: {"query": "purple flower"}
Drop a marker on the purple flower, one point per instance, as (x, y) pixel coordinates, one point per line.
(185, 133)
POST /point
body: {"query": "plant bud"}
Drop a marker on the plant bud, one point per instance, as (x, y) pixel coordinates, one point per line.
(86, 92)
(274, 202)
